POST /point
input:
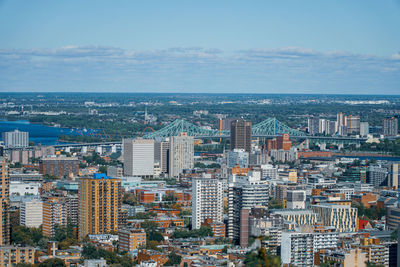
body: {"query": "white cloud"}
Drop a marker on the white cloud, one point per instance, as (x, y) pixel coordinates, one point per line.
(290, 69)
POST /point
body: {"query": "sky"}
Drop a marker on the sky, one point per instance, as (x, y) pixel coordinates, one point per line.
(298, 46)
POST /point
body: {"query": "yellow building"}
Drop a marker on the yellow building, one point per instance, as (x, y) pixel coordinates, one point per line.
(130, 239)
(5, 204)
(292, 176)
(54, 212)
(10, 256)
(99, 205)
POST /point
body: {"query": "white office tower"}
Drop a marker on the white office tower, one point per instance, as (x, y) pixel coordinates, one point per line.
(340, 121)
(238, 157)
(181, 154)
(31, 213)
(364, 128)
(15, 139)
(296, 199)
(207, 200)
(244, 192)
(297, 249)
(138, 157)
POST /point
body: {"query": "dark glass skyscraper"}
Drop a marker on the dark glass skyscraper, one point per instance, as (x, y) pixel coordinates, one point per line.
(241, 135)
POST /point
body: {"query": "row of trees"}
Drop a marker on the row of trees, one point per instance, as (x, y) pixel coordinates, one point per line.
(195, 233)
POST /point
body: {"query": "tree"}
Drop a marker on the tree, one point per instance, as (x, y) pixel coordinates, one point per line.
(152, 244)
(262, 258)
(103, 169)
(54, 262)
(149, 226)
(202, 232)
(173, 259)
(129, 198)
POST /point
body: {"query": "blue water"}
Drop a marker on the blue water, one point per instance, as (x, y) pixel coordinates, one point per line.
(38, 133)
(371, 157)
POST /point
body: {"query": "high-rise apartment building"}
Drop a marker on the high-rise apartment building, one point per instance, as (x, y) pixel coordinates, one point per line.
(181, 154)
(60, 166)
(15, 139)
(244, 193)
(99, 204)
(377, 176)
(138, 157)
(297, 249)
(72, 203)
(5, 204)
(364, 128)
(393, 175)
(353, 124)
(313, 125)
(54, 213)
(340, 121)
(241, 135)
(31, 213)
(161, 155)
(207, 201)
(390, 126)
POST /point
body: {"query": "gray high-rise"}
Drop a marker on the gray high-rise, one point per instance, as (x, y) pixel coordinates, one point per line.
(181, 154)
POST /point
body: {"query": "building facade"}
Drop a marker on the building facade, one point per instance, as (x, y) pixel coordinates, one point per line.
(207, 200)
(54, 213)
(390, 126)
(15, 139)
(99, 205)
(241, 135)
(60, 166)
(244, 194)
(138, 157)
(297, 249)
(131, 238)
(31, 213)
(342, 217)
(5, 204)
(11, 256)
(181, 154)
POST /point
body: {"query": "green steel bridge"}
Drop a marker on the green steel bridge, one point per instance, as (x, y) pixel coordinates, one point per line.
(268, 128)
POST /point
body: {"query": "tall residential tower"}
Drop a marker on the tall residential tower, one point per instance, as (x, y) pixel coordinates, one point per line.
(99, 205)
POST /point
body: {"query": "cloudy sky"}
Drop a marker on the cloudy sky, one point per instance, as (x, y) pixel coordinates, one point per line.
(299, 46)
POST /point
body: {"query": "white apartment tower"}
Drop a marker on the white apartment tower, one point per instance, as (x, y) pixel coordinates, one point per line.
(181, 154)
(138, 157)
(16, 139)
(31, 213)
(207, 200)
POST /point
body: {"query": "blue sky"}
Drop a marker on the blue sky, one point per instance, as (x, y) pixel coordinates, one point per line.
(299, 46)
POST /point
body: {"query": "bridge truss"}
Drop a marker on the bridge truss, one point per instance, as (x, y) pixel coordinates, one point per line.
(269, 127)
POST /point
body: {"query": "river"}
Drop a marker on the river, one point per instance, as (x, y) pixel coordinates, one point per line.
(38, 133)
